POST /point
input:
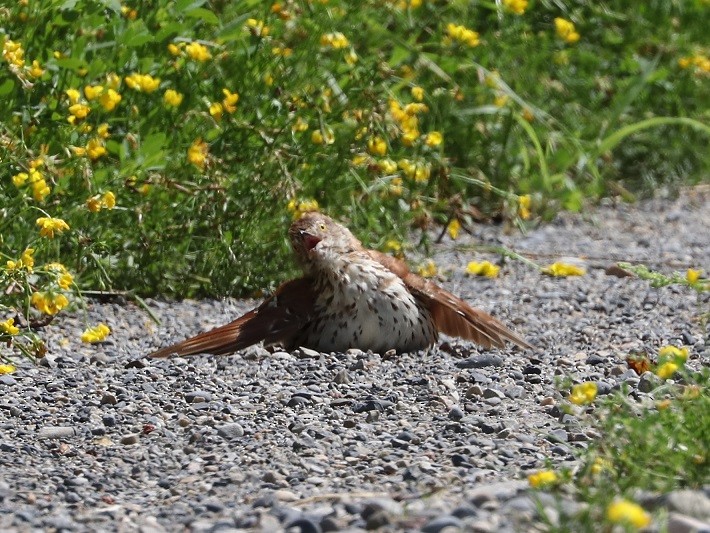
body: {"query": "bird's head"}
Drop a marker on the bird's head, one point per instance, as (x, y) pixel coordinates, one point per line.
(314, 237)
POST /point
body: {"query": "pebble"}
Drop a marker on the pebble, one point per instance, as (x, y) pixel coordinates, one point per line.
(231, 431)
(59, 432)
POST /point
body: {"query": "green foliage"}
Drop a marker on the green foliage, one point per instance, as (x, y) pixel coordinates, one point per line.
(326, 111)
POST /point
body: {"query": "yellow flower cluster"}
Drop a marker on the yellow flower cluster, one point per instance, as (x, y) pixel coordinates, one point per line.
(40, 189)
(456, 33)
(559, 269)
(63, 277)
(197, 153)
(7, 369)
(257, 28)
(299, 207)
(377, 146)
(485, 268)
(584, 393)
(406, 117)
(228, 104)
(144, 83)
(48, 226)
(98, 202)
(453, 228)
(670, 360)
(627, 513)
(417, 171)
(542, 479)
(334, 40)
(172, 98)
(95, 334)
(49, 303)
(326, 136)
(14, 54)
(428, 269)
(8, 327)
(26, 261)
(198, 52)
(699, 62)
(524, 202)
(566, 30)
(516, 6)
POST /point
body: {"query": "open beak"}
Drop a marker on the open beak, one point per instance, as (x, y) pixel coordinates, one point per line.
(310, 241)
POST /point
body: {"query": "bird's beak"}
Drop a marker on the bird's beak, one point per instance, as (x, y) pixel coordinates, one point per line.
(310, 241)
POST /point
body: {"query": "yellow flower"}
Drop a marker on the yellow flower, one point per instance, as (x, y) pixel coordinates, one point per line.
(175, 49)
(351, 57)
(198, 52)
(601, 465)
(18, 180)
(462, 35)
(282, 52)
(524, 206)
(500, 100)
(410, 137)
(13, 53)
(666, 370)
(95, 148)
(49, 304)
(433, 139)
(93, 91)
(583, 393)
(428, 269)
(334, 40)
(142, 82)
(197, 153)
(257, 27)
(528, 115)
(113, 80)
(48, 226)
(109, 100)
(7, 369)
(387, 166)
(65, 280)
(395, 187)
(26, 261)
(230, 100)
(94, 204)
(109, 200)
(671, 352)
(377, 146)
(542, 479)
(693, 275)
(566, 30)
(172, 98)
(9, 327)
(79, 111)
(216, 111)
(130, 14)
(516, 6)
(40, 190)
(394, 246)
(102, 130)
(627, 513)
(418, 93)
(299, 125)
(299, 207)
(454, 228)
(486, 268)
(35, 70)
(325, 137)
(95, 334)
(563, 269)
(73, 96)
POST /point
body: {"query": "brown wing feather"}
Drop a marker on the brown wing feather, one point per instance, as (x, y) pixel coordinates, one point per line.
(276, 320)
(451, 314)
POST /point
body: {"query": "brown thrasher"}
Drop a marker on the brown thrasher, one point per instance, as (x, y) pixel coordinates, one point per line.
(349, 297)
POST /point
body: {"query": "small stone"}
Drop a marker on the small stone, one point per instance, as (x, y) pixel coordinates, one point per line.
(437, 524)
(679, 523)
(342, 377)
(230, 431)
(129, 439)
(648, 382)
(456, 413)
(481, 361)
(493, 393)
(58, 432)
(306, 352)
(198, 396)
(596, 359)
(108, 399)
(473, 391)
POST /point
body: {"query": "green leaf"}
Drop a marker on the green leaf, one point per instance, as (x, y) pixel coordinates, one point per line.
(7, 87)
(203, 14)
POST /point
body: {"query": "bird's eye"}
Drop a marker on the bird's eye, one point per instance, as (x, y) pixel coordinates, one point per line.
(321, 226)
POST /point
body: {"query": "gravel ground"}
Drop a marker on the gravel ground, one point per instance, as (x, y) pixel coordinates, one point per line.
(440, 440)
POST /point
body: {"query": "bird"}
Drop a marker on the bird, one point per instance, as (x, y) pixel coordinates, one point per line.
(349, 297)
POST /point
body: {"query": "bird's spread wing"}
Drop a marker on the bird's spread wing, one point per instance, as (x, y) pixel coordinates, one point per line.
(451, 314)
(277, 320)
